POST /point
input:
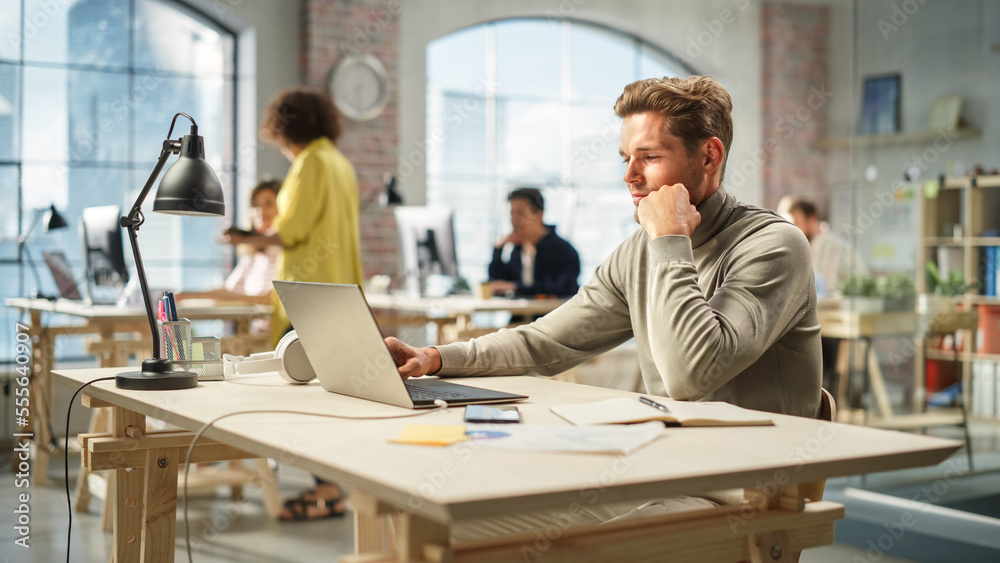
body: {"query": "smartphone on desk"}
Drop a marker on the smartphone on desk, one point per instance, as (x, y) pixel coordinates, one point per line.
(489, 414)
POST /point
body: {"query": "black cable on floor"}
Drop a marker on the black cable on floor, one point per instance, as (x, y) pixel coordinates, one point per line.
(69, 500)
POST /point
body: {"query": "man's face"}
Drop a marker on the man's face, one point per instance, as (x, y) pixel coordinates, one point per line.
(808, 225)
(654, 158)
(523, 216)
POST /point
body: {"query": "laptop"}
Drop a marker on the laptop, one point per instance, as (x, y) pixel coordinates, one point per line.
(344, 345)
(62, 274)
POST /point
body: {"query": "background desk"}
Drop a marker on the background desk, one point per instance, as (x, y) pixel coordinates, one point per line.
(854, 326)
(106, 321)
(451, 314)
(438, 486)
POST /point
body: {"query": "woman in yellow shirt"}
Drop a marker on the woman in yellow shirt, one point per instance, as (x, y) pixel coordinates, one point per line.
(318, 204)
(316, 228)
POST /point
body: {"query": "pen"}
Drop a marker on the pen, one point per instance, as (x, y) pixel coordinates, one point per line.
(654, 404)
(173, 306)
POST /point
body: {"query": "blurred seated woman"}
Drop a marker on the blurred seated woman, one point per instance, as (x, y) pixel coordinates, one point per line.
(250, 280)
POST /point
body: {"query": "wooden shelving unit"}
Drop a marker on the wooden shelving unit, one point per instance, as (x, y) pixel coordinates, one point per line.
(972, 203)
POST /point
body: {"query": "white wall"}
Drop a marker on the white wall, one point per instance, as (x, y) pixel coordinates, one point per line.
(729, 51)
(940, 49)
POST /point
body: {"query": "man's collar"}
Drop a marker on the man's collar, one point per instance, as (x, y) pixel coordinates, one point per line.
(714, 214)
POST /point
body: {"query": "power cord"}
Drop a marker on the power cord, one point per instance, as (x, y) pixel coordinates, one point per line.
(440, 404)
(69, 500)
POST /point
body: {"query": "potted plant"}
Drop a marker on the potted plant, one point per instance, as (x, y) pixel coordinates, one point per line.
(941, 291)
(897, 290)
(860, 294)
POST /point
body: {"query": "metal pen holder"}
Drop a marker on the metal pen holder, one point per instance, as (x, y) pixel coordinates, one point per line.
(202, 355)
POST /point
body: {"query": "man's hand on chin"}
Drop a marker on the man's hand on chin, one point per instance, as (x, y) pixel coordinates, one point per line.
(668, 211)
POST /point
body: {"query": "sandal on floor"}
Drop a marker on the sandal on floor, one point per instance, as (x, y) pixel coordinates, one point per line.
(303, 508)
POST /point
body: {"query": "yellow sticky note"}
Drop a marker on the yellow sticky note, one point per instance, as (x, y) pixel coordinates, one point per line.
(431, 434)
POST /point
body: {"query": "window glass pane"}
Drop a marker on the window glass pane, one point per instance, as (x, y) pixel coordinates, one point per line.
(92, 127)
(8, 211)
(465, 50)
(529, 147)
(456, 136)
(10, 30)
(88, 32)
(654, 65)
(528, 58)
(479, 207)
(167, 37)
(200, 98)
(596, 132)
(603, 62)
(10, 135)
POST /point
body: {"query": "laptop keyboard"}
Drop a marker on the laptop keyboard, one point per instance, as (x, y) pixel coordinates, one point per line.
(419, 392)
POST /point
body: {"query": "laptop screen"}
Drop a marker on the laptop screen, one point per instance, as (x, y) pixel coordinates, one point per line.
(62, 274)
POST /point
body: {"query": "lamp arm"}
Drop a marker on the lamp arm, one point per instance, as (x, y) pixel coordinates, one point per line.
(131, 223)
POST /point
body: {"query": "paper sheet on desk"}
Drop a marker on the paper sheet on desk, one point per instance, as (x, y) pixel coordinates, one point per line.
(593, 439)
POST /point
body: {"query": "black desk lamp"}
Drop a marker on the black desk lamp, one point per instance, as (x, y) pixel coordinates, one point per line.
(53, 220)
(189, 187)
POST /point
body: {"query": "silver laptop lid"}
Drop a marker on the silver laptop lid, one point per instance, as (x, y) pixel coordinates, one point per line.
(342, 341)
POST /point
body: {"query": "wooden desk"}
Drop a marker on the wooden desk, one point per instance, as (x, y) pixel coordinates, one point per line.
(106, 321)
(451, 312)
(425, 490)
(854, 326)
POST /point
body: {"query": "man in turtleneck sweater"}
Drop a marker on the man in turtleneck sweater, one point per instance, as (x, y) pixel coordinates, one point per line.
(718, 295)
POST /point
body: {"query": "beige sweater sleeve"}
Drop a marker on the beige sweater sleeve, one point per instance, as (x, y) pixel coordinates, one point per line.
(594, 321)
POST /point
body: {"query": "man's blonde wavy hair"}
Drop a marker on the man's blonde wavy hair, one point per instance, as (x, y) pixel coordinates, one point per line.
(696, 109)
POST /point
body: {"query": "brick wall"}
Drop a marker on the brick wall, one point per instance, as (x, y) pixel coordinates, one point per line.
(795, 97)
(332, 29)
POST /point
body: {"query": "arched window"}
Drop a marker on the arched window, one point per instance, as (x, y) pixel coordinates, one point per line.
(87, 91)
(528, 102)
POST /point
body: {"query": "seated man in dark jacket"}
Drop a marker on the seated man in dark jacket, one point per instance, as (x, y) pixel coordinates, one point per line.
(540, 263)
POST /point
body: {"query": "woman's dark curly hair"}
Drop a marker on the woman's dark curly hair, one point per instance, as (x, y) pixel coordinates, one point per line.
(297, 116)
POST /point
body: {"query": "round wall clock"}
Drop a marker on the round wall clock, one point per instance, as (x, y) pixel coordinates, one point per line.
(359, 87)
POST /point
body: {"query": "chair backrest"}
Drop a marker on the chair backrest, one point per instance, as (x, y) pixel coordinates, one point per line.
(828, 412)
(827, 406)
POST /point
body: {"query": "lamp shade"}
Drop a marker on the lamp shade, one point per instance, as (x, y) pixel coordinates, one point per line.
(53, 220)
(190, 186)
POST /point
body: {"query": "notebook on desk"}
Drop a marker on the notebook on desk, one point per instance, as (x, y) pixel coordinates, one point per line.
(344, 345)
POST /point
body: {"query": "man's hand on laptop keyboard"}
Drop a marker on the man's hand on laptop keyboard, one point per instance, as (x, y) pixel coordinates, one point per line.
(413, 362)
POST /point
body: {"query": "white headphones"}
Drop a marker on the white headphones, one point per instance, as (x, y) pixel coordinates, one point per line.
(288, 359)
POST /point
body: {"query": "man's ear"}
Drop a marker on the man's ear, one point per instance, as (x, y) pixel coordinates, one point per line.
(714, 153)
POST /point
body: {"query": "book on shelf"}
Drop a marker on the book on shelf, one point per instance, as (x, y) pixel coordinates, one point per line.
(985, 389)
(623, 410)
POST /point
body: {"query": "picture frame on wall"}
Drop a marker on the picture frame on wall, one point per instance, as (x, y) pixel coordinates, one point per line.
(880, 105)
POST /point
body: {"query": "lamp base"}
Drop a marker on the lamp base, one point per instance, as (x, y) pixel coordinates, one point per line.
(156, 375)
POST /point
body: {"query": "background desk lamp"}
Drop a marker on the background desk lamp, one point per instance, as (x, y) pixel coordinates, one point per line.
(189, 187)
(53, 220)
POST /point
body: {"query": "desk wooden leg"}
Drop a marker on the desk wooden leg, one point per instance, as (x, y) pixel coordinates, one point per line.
(41, 383)
(159, 519)
(128, 495)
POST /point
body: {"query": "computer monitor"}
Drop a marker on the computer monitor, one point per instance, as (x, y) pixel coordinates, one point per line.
(103, 253)
(427, 243)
